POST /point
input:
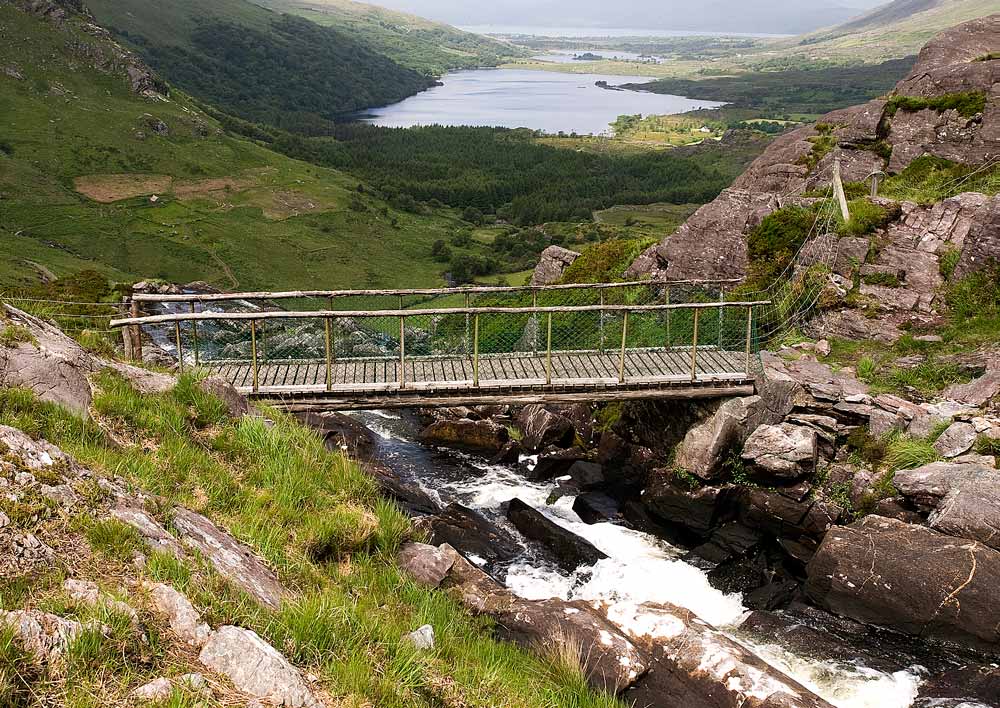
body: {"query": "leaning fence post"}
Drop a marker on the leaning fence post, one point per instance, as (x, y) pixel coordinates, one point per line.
(749, 336)
(329, 353)
(180, 352)
(402, 353)
(475, 349)
(136, 332)
(694, 347)
(253, 355)
(548, 353)
(621, 358)
(194, 336)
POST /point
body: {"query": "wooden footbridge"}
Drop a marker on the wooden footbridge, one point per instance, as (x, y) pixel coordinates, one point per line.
(460, 346)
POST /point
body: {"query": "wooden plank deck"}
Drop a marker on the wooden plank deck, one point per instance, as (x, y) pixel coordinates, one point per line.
(656, 372)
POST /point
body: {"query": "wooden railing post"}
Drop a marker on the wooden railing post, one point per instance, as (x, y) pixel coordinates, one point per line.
(621, 358)
(402, 353)
(194, 337)
(475, 352)
(329, 353)
(180, 352)
(601, 320)
(749, 337)
(136, 333)
(722, 308)
(534, 329)
(468, 304)
(666, 301)
(253, 355)
(694, 347)
(548, 353)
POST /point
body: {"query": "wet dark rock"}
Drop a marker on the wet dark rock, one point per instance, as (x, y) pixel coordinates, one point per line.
(543, 427)
(787, 515)
(472, 534)
(570, 550)
(673, 500)
(694, 665)
(909, 578)
(509, 454)
(774, 595)
(727, 542)
(409, 495)
(472, 434)
(586, 475)
(342, 433)
(967, 687)
(554, 462)
(595, 507)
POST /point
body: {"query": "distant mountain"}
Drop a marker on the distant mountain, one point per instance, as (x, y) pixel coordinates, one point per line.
(429, 47)
(898, 28)
(765, 16)
(258, 64)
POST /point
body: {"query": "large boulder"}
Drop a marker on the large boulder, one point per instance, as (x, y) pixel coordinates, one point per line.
(341, 433)
(692, 664)
(543, 427)
(911, 579)
(553, 263)
(257, 668)
(485, 435)
(570, 550)
(783, 452)
(471, 533)
(44, 360)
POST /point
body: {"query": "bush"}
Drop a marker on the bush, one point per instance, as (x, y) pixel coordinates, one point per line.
(772, 245)
(976, 295)
(867, 217)
(967, 103)
(343, 530)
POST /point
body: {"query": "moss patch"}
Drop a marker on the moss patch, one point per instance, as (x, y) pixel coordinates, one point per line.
(967, 103)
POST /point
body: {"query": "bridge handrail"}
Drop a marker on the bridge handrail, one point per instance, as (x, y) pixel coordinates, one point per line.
(463, 290)
(322, 314)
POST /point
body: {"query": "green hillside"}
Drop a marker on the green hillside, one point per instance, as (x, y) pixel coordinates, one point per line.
(429, 47)
(81, 156)
(260, 65)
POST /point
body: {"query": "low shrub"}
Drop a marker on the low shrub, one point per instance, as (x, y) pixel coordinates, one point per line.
(967, 103)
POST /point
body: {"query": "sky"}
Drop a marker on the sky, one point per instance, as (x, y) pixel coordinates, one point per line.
(771, 16)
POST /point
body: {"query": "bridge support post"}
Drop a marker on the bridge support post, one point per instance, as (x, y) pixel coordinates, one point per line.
(194, 337)
(621, 357)
(548, 353)
(329, 353)
(180, 352)
(402, 353)
(694, 347)
(253, 355)
(475, 352)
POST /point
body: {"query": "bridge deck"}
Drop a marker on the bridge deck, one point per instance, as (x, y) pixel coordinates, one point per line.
(454, 377)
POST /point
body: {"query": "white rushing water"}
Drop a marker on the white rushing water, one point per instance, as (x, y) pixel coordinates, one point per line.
(641, 568)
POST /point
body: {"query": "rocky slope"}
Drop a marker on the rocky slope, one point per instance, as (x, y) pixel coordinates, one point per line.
(948, 108)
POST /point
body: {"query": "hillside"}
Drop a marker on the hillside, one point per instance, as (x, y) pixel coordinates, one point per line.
(897, 29)
(81, 155)
(429, 47)
(300, 73)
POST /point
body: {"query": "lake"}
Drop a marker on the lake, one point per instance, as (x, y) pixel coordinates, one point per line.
(521, 98)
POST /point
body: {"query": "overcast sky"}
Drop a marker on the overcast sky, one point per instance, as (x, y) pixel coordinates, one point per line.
(778, 16)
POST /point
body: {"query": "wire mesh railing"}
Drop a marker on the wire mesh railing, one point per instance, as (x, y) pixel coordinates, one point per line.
(637, 338)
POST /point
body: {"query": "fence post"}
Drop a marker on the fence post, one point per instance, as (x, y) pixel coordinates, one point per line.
(468, 305)
(666, 301)
(548, 353)
(602, 320)
(136, 333)
(194, 336)
(253, 355)
(621, 358)
(263, 340)
(722, 300)
(402, 353)
(694, 347)
(749, 336)
(329, 353)
(475, 354)
(180, 352)
(534, 329)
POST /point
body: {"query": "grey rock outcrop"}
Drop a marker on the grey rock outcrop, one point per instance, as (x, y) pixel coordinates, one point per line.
(231, 558)
(474, 434)
(185, 621)
(543, 427)
(909, 578)
(956, 440)
(427, 565)
(553, 263)
(256, 668)
(782, 451)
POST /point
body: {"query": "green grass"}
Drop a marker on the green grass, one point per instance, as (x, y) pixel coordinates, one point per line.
(319, 521)
(293, 216)
(904, 452)
(606, 262)
(866, 217)
(930, 179)
(968, 103)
